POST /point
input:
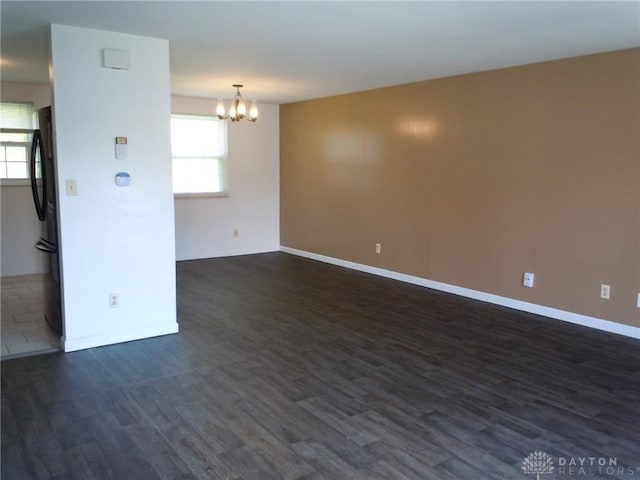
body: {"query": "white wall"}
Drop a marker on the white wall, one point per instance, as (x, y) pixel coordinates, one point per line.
(37, 93)
(19, 225)
(114, 239)
(20, 232)
(205, 226)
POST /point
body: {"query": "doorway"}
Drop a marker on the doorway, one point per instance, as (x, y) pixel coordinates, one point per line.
(24, 330)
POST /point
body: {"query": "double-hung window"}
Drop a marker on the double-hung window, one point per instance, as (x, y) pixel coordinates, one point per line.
(199, 151)
(17, 123)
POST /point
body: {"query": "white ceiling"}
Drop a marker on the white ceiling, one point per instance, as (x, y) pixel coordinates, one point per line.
(290, 51)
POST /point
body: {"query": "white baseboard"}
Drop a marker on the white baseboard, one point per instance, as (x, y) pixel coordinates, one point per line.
(74, 344)
(565, 316)
(224, 253)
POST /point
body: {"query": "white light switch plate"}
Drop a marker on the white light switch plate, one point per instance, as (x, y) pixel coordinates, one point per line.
(72, 188)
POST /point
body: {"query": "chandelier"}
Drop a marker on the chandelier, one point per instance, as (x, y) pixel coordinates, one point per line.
(237, 109)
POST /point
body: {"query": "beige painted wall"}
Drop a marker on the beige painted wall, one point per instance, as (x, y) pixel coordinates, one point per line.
(472, 180)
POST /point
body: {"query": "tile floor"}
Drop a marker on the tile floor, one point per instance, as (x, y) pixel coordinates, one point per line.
(24, 330)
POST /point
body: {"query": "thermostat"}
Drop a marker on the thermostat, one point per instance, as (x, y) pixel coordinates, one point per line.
(121, 148)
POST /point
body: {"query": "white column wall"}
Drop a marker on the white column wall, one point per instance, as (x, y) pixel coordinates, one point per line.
(114, 239)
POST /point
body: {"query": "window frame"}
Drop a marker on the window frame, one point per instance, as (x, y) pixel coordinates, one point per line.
(222, 159)
(20, 181)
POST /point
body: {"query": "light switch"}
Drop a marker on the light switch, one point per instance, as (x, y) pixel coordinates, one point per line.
(72, 188)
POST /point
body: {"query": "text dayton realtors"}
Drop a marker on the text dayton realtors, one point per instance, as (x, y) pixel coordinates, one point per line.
(593, 465)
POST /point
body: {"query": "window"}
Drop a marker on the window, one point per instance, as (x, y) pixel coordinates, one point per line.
(199, 151)
(17, 123)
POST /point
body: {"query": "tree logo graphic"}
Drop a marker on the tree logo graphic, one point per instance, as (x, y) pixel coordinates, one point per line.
(537, 463)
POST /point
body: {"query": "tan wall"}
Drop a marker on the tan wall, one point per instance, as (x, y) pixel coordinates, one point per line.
(472, 180)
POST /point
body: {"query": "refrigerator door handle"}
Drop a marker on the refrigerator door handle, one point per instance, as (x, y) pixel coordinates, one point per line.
(46, 246)
(39, 202)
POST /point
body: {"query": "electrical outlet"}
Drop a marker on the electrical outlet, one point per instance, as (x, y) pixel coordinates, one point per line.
(378, 248)
(528, 279)
(605, 291)
(114, 300)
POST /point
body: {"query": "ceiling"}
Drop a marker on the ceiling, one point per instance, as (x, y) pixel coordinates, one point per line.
(290, 51)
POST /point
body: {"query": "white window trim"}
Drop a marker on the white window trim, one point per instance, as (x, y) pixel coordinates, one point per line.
(15, 182)
(202, 195)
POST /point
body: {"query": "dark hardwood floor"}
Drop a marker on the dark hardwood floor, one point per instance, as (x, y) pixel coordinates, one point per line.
(286, 368)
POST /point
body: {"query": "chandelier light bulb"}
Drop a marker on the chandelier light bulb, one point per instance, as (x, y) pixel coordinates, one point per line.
(253, 112)
(242, 108)
(220, 111)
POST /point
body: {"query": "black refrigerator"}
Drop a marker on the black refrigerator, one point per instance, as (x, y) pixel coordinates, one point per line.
(43, 185)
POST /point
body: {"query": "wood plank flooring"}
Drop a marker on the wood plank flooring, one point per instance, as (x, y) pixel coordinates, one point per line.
(286, 368)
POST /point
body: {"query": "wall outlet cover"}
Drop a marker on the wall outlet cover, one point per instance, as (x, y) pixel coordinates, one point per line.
(528, 279)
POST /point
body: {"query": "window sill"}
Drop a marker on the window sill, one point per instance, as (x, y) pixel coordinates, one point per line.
(15, 182)
(179, 196)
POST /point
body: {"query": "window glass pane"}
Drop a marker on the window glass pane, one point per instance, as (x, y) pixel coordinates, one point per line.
(16, 170)
(196, 175)
(197, 137)
(16, 154)
(180, 175)
(211, 171)
(3, 161)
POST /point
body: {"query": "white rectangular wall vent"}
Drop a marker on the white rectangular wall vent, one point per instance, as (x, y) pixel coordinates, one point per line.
(117, 59)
